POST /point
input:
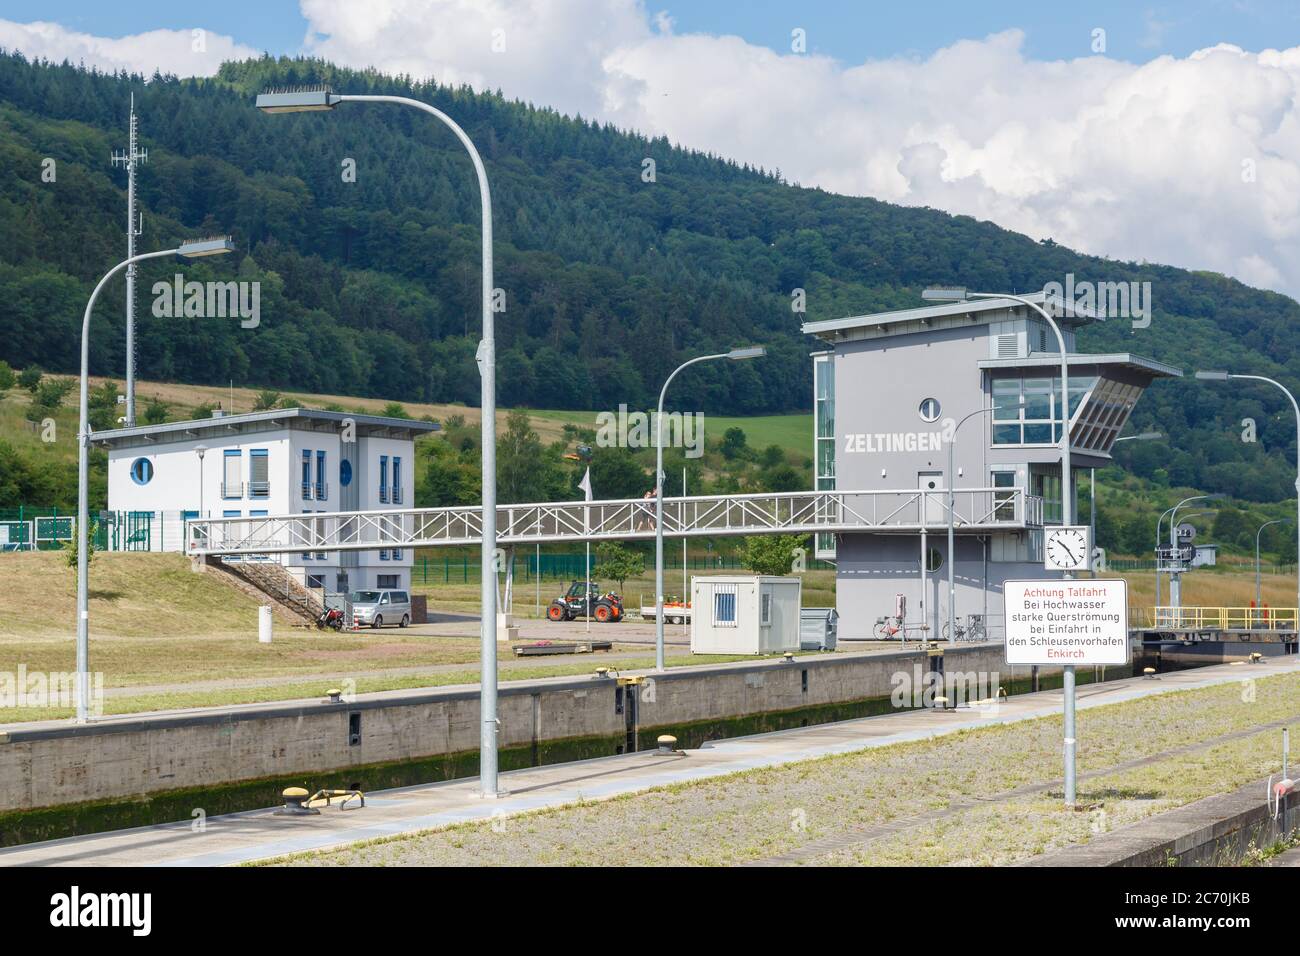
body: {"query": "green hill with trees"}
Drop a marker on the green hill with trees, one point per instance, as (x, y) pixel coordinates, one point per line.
(370, 287)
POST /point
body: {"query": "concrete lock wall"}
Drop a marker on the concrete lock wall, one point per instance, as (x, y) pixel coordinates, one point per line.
(51, 764)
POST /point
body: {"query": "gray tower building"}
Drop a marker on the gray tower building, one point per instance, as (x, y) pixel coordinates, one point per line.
(888, 392)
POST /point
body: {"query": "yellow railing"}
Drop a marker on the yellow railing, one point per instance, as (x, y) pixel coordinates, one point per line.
(1224, 618)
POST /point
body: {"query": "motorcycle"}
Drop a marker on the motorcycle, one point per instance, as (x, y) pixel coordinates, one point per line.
(332, 618)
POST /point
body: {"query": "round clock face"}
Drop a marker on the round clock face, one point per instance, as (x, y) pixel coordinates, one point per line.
(1067, 548)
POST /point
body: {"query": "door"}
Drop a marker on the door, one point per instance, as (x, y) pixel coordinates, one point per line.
(935, 497)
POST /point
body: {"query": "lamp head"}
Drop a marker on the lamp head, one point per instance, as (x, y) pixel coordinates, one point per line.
(1212, 376)
(945, 294)
(296, 101)
(749, 352)
(198, 248)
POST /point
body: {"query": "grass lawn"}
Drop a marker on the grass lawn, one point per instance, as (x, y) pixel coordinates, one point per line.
(790, 432)
(778, 812)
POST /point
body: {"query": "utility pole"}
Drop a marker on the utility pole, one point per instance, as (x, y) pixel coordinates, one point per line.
(134, 224)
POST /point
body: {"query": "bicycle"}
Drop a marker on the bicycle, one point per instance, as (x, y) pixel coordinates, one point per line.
(972, 631)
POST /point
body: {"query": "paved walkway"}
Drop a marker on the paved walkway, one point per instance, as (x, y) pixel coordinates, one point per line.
(259, 834)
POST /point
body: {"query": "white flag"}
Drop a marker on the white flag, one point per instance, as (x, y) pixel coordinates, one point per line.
(585, 484)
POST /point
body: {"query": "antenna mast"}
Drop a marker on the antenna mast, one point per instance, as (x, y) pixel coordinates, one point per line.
(134, 225)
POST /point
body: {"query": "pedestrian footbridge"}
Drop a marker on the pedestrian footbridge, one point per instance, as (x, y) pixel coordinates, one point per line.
(800, 512)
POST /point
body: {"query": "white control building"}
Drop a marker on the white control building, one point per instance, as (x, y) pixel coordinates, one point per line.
(278, 462)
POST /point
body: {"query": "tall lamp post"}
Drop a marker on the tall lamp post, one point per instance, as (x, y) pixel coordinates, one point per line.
(952, 505)
(188, 250)
(1067, 502)
(317, 100)
(1216, 376)
(734, 355)
(200, 450)
(1092, 497)
(1258, 532)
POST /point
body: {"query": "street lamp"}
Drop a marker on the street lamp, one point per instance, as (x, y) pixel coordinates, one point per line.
(189, 250)
(304, 101)
(200, 450)
(952, 505)
(1217, 376)
(1175, 599)
(1092, 496)
(959, 294)
(736, 355)
(1258, 531)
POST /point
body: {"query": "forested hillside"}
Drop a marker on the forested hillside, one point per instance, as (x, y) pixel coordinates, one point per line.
(371, 287)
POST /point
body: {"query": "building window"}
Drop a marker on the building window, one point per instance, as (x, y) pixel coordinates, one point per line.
(929, 409)
(724, 605)
(765, 608)
(322, 487)
(383, 554)
(306, 555)
(1027, 410)
(231, 476)
(397, 480)
(345, 473)
(824, 440)
(316, 581)
(259, 479)
(383, 479)
(386, 581)
(306, 475)
(1004, 502)
(142, 471)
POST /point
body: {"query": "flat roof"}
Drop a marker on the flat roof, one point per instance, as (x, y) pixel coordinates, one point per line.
(224, 422)
(1128, 360)
(1079, 317)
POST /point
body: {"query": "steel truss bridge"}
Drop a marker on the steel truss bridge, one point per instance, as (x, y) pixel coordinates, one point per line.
(800, 512)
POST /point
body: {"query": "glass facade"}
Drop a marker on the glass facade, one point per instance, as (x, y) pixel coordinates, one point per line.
(1027, 408)
(824, 432)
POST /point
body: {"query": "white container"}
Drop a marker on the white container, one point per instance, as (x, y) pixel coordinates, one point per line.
(745, 614)
(264, 624)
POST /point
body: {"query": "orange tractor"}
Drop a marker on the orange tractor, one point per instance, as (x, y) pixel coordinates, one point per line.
(583, 599)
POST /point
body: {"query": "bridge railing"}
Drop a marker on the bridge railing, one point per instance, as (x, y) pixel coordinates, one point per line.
(623, 519)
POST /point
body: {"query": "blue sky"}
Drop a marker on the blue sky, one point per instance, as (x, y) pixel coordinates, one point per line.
(844, 29)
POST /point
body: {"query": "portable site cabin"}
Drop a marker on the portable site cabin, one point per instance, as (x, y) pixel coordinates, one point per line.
(745, 614)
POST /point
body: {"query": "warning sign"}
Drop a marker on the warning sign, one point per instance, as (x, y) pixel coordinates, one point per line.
(1067, 622)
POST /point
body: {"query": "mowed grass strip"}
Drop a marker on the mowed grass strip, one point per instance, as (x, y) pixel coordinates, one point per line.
(755, 815)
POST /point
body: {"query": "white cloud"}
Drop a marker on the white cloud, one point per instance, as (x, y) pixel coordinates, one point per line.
(195, 52)
(1193, 161)
(1130, 161)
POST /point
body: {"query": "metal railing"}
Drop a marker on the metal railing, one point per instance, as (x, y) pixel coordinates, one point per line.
(259, 489)
(1224, 618)
(802, 512)
(232, 489)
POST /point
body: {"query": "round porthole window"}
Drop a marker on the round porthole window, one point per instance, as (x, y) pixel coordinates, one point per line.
(345, 473)
(933, 560)
(929, 409)
(142, 471)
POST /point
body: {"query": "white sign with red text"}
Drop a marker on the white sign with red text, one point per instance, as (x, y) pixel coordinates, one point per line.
(1067, 622)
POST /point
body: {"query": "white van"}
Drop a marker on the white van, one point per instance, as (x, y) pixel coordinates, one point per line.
(381, 606)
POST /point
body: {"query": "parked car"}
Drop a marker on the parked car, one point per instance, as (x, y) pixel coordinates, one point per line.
(380, 606)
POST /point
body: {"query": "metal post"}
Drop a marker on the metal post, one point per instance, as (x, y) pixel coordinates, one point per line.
(1067, 514)
(659, 510)
(685, 585)
(83, 505)
(487, 374)
(952, 505)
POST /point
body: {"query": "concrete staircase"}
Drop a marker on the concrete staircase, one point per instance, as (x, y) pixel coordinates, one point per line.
(268, 579)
